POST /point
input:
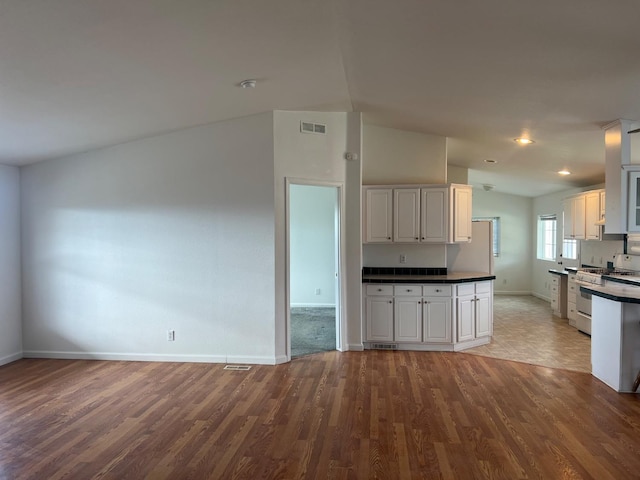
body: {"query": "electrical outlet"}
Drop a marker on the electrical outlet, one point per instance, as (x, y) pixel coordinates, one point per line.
(318, 291)
(403, 258)
(171, 335)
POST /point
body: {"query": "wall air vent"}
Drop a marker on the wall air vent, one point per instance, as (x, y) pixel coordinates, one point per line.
(237, 367)
(308, 127)
(384, 346)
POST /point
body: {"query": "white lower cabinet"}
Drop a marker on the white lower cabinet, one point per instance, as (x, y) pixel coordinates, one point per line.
(407, 319)
(474, 311)
(436, 319)
(423, 315)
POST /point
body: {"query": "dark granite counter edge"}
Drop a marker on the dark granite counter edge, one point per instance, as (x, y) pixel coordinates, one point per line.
(609, 296)
(429, 281)
(558, 272)
(623, 280)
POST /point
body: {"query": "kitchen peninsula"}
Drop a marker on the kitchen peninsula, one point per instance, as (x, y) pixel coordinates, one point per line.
(427, 309)
(615, 331)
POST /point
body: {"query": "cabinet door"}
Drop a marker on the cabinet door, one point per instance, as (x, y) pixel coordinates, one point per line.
(579, 220)
(634, 202)
(436, 319)
(380, 319)
(379, 215)
(483, 315)
(461, 213)
(406, 215)
(434, 215)
(567, 225)
(465, 317)
(592, 215)
(408, 319)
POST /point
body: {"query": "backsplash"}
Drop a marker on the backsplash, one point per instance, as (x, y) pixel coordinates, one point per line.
(403, 271)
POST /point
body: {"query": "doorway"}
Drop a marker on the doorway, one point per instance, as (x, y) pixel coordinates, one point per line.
(314, 293)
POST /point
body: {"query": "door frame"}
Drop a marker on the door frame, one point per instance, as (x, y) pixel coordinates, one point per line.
(341, 331)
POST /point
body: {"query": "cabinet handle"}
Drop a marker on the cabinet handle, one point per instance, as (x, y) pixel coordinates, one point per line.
(388, 238)
(409, 290)
(390, 301)
(379, 289)
(417, 238)
(438, 290)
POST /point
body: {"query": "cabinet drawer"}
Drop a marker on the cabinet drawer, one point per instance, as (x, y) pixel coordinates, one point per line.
(483, 287)
(386, 290)
(407, 290)
(554, 304)
(571, 297)
(554, 280)
(436, 290)
(554, 290)
(466, 289)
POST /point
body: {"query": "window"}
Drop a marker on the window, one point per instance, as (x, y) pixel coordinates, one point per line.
(496, 232)
(547, 237)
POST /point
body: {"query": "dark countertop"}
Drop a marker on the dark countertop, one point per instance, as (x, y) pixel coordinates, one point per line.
(558, 272)
(453, 277)
(618, 292)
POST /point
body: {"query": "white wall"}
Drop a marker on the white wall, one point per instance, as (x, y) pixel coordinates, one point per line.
(513, 265)
(170, 232)
(312, 246)
(10, 293)
(320, 158)
(397, 156)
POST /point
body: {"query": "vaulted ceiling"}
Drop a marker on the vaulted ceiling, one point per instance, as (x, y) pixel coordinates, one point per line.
(76, 75)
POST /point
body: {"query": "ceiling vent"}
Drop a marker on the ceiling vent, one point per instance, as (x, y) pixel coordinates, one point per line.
(308, 127)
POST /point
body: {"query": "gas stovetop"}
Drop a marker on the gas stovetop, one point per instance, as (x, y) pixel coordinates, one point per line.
(594, 275)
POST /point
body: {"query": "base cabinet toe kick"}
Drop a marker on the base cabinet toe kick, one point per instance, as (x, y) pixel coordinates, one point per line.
(433, 317)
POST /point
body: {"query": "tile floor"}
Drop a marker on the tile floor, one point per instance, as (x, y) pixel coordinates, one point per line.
(524, 330)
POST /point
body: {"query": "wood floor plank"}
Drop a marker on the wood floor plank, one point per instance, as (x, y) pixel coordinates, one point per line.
(373, 414)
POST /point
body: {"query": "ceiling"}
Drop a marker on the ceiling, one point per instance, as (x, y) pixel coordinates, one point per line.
(77, 75)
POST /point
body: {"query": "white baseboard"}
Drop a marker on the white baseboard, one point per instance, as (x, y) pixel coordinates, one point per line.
(511, 292)
(541, 297)
(144, 357)
(11, 358)
(355, 347)
(312, 305)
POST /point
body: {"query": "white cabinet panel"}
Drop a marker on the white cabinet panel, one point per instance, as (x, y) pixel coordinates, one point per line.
(592, 215)
(379, 215)
(380, 319)
(406, 215)
(483, 312)
(436, 315)
(462, 200)
(408, 319)
(465, 315)
(434, 215)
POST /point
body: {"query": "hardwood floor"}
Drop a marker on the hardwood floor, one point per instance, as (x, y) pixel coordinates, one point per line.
(356, 415)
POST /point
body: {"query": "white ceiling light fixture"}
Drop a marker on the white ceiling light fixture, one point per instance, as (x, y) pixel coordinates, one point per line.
(490, 161)
(523, 141)
(249, 83)
(564, 172)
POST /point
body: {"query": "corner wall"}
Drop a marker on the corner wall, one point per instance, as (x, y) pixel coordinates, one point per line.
(10, 293)
(169, 232)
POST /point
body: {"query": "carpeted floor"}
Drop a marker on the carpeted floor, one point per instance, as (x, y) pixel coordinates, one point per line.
(313, 330)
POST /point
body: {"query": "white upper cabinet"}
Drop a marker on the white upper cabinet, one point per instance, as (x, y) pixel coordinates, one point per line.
(435, 211)
(378, 222)
(592, 214)
(461, 221)
(633, 211)
(574, 217)
(422, 214)
(406, 215)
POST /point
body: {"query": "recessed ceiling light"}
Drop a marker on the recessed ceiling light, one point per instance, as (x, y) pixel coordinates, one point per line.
(523, 141)
(490, 160)
(250, 83)
(564, 172)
